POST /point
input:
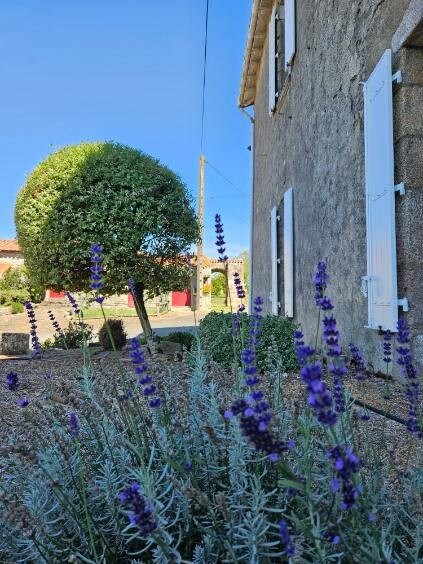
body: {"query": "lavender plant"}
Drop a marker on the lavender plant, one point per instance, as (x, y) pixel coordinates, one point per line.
(160, 474)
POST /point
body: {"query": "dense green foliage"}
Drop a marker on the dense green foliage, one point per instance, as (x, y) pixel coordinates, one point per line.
(16, 307)
(182, 337)
(216, 332)
(15, 287)
(73, 337)
(136, 208)
(112, 333)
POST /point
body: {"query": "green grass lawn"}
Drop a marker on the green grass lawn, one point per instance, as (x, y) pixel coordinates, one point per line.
(95, 313)
(218, 304)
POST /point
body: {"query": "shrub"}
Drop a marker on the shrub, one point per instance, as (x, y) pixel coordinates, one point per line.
(74, 336)
(216, 334)
(17, 307)
(15, 286)
(183, 337)
(112, 328)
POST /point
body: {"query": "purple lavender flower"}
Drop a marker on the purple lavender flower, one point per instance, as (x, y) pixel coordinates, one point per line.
(320, 280)
(145, 380)
(331, 336)
(239, 287)
(320, 398)
(73, 303)
(97, 271)
(357, 362)
(220, 241)
(405, 360)
(303, 352)
(140, 510)
(387, 347)
(55, 324)
(33, 330)
(12, 381)
(252, 427)
(345, 464)
(22, 402)
(288, 545)
(73, 424)
(338, 372)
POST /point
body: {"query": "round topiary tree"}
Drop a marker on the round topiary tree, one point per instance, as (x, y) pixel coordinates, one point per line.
(107, 193)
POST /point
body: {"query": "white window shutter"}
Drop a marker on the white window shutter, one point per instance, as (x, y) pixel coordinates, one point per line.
(274, 259)
(380, 197)
(272, 61)
(288, 252)
(290, 26)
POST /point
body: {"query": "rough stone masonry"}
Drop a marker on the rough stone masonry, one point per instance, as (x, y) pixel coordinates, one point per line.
(315, 143)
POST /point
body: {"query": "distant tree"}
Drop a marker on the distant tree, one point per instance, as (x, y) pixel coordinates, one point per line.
(218, 283)
(107, 193)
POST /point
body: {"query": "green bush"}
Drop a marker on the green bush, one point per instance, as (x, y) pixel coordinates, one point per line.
(183, 337)
(74, 336)
(216, 335)
(112, 328)
(15, 286)
(17, 307)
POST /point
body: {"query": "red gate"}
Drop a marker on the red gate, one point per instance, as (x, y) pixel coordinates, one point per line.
(181, 298)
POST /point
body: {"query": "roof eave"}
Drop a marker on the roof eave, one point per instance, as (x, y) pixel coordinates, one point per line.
(256, 38)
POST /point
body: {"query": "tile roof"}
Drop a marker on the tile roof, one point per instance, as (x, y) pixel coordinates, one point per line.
(9, 245)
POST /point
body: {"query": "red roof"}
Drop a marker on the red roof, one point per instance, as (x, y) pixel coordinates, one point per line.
(9, 245)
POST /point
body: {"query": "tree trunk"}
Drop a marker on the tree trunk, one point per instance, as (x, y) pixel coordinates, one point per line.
(141, 311)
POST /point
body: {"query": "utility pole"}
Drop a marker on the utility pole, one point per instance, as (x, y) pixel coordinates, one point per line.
(199, 280)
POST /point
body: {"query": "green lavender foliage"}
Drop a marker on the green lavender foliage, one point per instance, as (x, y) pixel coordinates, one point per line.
(215, 499)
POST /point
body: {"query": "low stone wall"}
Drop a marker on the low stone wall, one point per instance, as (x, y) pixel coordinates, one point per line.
(14, 343)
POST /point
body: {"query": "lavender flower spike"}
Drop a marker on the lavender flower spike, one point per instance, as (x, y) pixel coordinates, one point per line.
(405, 360)
(96, 279)
(55, 324)
(345, 464)
(73, 424)
(33, 330)
(73, 303)
(140, 510)
(288, 545)
(220, 241)
(12, 381)
(145, 380)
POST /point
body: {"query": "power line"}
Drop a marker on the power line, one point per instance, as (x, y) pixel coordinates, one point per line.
(204, 76)
(227, 180)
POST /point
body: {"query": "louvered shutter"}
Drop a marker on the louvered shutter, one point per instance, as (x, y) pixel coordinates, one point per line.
(290, 26)
(274, 259)
(288, 252)
(380, 197)
(272, 60)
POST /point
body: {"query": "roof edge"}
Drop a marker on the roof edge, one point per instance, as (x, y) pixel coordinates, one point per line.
(260, 12)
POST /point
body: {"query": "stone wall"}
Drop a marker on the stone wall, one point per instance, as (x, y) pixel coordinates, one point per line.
(315, 143)
(14, 258)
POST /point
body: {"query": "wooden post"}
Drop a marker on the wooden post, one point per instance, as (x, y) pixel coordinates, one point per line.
(199, 281)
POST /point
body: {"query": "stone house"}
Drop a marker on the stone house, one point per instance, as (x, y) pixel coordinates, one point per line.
(337, 93)
(10, 255)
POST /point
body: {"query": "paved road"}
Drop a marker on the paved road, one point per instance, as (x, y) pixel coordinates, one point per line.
(180, 320)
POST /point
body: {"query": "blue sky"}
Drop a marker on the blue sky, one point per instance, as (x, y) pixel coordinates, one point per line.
(128, 71)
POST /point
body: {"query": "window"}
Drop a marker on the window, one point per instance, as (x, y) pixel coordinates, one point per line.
(281, 34)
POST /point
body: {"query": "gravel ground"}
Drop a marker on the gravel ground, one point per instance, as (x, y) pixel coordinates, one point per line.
(56, 377)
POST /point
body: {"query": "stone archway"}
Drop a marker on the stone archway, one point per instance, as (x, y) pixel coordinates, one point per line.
(229, 268)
